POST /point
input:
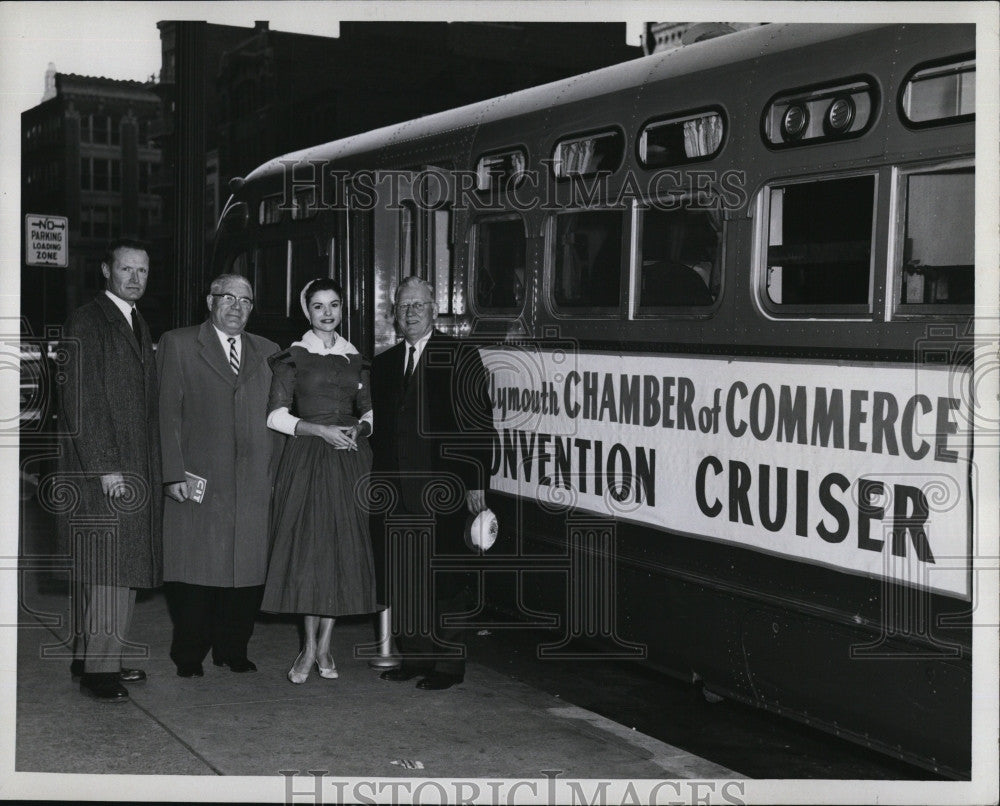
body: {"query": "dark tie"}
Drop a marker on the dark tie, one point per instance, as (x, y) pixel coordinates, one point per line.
(234, 360)
(135, 322)
(408, 372)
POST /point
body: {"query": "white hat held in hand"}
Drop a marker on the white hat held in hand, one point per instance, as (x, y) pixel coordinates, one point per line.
(481, 531)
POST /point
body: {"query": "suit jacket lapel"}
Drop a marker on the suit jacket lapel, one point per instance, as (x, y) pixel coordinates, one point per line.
(211, 352)
(250, 360)
(118, 321)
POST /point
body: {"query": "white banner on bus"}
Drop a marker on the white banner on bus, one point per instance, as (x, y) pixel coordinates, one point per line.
(863, 468)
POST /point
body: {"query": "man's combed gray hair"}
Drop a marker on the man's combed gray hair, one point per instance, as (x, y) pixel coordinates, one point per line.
(222, 279)
(413, 280)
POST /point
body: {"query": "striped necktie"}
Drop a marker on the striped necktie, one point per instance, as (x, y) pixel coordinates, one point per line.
(234, 360)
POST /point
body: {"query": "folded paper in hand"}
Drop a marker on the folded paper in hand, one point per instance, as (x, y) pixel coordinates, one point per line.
(196, 486)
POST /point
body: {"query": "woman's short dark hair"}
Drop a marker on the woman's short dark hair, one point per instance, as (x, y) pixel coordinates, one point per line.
(322, 284)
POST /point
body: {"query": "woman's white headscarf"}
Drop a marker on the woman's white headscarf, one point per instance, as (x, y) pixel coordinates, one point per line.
(304, 296)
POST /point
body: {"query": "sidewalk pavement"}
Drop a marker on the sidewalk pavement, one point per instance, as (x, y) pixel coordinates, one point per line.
(490, 726)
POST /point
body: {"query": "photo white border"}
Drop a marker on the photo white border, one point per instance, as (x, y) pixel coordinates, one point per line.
(16, 30)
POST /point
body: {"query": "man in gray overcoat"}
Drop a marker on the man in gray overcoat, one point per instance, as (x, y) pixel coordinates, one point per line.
(219, 461)
(111, 466)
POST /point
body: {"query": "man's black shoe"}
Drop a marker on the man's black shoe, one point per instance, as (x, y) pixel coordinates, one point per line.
(76, 670)
(103, 687)
(243, 665)
(438, 681)
(190, 670)
(400, 675)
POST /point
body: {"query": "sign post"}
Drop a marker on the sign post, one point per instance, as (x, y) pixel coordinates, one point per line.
(46, 240)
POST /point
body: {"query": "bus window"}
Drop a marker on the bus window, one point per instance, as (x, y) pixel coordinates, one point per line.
(307, 264)
(940, 94)
(819, 247)
(501, 260)
(304, 204)
(439, 227)
(938, 248)
(681, 258)
(236, 217)
(501, 170)
(579, 156)
(407, 238)
(588, 259)
(271, 279)
(269, 211)
(682, 139)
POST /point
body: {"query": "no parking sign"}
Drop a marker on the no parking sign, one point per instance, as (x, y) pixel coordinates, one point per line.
(46, 240)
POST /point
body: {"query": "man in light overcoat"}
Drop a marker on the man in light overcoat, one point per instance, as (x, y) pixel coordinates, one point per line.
(110, 468)
(214, 385)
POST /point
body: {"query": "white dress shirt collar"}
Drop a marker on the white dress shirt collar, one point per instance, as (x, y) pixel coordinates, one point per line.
(224, 341)
(121, 305)
(314, 344)
(420, 344)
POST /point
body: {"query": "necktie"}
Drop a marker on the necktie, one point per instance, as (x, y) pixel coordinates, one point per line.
(408, 372)
(135, 322)
(234, 360)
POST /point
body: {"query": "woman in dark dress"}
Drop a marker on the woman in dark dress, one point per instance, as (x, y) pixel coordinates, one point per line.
(321, 559)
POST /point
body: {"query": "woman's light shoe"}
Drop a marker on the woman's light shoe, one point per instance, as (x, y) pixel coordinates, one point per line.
(329, 674)
(298, 677)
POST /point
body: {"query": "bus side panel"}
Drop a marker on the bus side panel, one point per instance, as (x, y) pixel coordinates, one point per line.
(757, 629)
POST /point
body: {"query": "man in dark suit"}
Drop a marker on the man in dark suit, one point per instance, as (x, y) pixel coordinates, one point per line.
(214, 386)
(112, 459)
(433, 422)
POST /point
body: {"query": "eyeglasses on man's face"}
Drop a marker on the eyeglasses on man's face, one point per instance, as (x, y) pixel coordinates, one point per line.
(417, 307)
(229, 299)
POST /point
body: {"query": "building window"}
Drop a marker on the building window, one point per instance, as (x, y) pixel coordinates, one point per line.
(101, 175)
(149, 217)
(100, 128)
(100, 221)
(819, 245)
(938, 237)
(588, 259)
(86, 175)
(145, 172)
(681, 261)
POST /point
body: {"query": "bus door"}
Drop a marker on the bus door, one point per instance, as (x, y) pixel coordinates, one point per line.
(410, 233)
